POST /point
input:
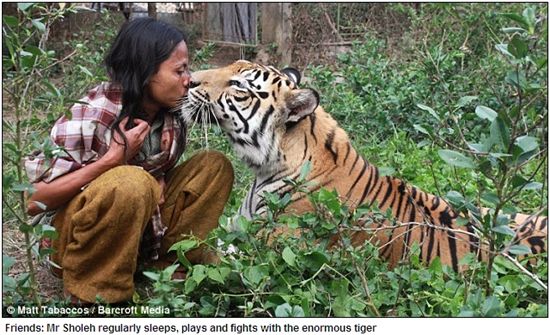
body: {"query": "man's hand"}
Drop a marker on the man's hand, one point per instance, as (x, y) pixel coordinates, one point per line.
(134, 138)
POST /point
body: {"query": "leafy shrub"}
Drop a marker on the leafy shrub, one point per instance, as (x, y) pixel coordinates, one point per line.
(505, 150)
(34, 100)
(299, 275)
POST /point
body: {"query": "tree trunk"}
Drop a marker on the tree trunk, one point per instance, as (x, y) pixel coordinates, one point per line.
(152, 10)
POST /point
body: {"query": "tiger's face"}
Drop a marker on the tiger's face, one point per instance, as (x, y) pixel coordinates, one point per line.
(253, 104)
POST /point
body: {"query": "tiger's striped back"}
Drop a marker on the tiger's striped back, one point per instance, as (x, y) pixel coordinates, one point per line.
(275, 127)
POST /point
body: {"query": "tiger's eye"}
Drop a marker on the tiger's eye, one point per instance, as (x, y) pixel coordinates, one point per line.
(236, 83)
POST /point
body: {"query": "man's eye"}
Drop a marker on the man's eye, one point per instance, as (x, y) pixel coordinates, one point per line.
(236, 83)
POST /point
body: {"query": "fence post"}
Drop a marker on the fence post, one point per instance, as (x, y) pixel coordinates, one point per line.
(152, 10)
(277, 28)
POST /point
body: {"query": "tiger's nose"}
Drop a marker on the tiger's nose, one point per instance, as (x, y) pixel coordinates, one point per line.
(194, 83)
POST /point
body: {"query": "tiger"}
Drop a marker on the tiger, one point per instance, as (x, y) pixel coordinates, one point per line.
(275, 127)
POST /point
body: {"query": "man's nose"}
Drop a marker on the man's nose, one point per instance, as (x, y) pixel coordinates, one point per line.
(186, 79)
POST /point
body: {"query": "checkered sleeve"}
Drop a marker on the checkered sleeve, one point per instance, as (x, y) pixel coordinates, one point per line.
(81, 138)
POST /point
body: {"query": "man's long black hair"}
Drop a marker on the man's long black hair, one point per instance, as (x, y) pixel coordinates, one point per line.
(140, 47)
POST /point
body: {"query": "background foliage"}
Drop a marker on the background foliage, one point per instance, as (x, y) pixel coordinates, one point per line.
(458, 108)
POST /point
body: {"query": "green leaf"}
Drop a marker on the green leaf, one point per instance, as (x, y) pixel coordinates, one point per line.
(274, 300)
(167, 273)
(491, 307)
(208, 306)
(182, 259)
(34, 50)
(503, 220)
(386, 171)
(7, 263)
(189, 286)
(465, 100)
(47, 231)
(477, 147)
(255, 274)
(533, 186)
(511, 30)
(297, 312)
(517, 47)
(283, 311)
(199, 273)
(530, 19)
(37, 23)
(184, 245)
(286, 310)
(466, 314)
(53, 89)
(527, 143)
(13, 148)
(436, 266)
(518, 181)
(429, 110)
(456, 159)
(468, 259)
(10, 20)
(455, 198)
(357, 305)
(341, 302)
(519, 249)
(23, 6)
(421, 129)
(503, 48)
(24, 53)
(516, 79)
(314, 260)
(289, 257)
(490, 197)
(215, 275)
(85, 71)
(504, 230)
(499, 155)
(500, 133)
(462, 221)
(541, 62)
(25, 228)
(517, 18)
(511, 283)
(42, 252)
(304, 171)
(8, 283)
(486, 113)
(151, 275)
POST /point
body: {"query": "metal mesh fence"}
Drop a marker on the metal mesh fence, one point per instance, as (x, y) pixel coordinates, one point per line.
(321, 30)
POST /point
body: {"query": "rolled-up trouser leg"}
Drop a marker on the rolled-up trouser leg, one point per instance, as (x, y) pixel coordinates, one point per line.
(196, 193)
(100, 232)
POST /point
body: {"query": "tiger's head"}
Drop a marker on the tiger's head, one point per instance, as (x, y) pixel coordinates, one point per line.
(253, 104)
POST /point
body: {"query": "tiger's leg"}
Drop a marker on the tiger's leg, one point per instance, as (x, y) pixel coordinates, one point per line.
(100, 231)
(195, 196)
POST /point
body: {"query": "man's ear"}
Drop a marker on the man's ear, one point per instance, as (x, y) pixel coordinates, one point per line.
(293, 74)
(301, 103)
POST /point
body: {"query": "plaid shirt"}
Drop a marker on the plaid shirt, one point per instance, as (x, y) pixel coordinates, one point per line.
(85, 137)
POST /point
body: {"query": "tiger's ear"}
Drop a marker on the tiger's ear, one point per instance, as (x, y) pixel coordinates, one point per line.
(293, 74)
(301, 103)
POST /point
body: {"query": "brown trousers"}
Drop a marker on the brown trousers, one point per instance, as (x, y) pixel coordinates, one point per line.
(101, 228)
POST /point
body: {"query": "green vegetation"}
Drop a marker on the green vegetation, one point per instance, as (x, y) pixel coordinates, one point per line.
(461, 112)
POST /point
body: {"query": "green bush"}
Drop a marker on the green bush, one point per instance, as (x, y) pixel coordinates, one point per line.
(34, 100)
(297, 275)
